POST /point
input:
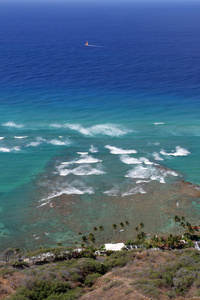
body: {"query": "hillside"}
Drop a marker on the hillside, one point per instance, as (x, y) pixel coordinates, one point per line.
(133, 275)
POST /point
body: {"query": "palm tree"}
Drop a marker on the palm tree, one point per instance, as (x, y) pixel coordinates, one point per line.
(84, 239)
(127, 223)
(121, 225)
(136, 228)
(176, 219)
(95, 228)
(141, 225)
(91, 238)
(114, 226)
(182, 218)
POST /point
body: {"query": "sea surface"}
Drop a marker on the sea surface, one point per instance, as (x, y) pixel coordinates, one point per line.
(87, 132)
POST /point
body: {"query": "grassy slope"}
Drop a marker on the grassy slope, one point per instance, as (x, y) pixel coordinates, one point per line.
(125, 275)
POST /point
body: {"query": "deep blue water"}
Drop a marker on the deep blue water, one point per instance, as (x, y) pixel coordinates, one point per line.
(135, 87)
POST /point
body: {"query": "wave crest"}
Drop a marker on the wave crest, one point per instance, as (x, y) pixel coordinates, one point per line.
(115, 150)
(108, 129)
(12, 124)
(178, 152)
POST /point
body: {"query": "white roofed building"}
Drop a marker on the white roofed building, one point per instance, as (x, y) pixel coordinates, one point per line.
(114, 247)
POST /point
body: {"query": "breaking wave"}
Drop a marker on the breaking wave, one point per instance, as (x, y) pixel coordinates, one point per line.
(58, 142)
(69, 190)
(93, 149)
(136, 190)
(134, 161)
(150, 173)
(115, 150)
(21, 137)
(101, 129)
(79, 171)
(12, 124)
(157, 156)
(7, 150)
(178, 152)
(113, 192)
(159, 123)
(54, 142)
(2, 137)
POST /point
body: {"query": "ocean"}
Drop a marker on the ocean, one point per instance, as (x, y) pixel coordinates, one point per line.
(99, 134)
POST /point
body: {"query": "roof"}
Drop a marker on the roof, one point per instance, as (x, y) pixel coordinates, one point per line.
(114, 247)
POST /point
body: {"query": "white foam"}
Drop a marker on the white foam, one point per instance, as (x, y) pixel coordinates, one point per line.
(136, 190)
(54, 142)
(3, 149)
(159, 123)
(87, 159)
(21, 137)
(157, 156)
(38, 141)
(142, 181)
(84, 170)
(7, 150)
(70, 190)
(178, 152)
(113, 192)
(103, 129)
(146, 161)
(12, 124)
(139, 172)
(93, 149)
(134, 161)
(115, 150)
(130, 160)
(58, 142)
(150, 173)
(2, 137)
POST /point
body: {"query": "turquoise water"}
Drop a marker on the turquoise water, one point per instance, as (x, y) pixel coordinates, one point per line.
(93, 124)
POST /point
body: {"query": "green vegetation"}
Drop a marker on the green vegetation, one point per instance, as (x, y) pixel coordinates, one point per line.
(62, 273)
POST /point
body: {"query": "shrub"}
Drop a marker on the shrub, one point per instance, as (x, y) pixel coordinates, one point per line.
(88, 266)
(6, 271)
(39, 290)
(91, 278)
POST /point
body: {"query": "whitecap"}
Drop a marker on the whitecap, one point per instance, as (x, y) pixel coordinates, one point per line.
(134, 161)
(3, 149)
(142, 181)
(2, 137)
(103, 129)
(87, 159)
(115, 150)
(93, 149)
(58, 142)
(150, 173)
(70, 190)
(113, 192)
(178, 152)
(136, 190)
(159, 123)
(80, 171)
(129, 160)
(146, 161)
(21, 137)
(12, 124)
(139, 172)
(7, 150)
(157, 156)
(38, 141)
(82, 153)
